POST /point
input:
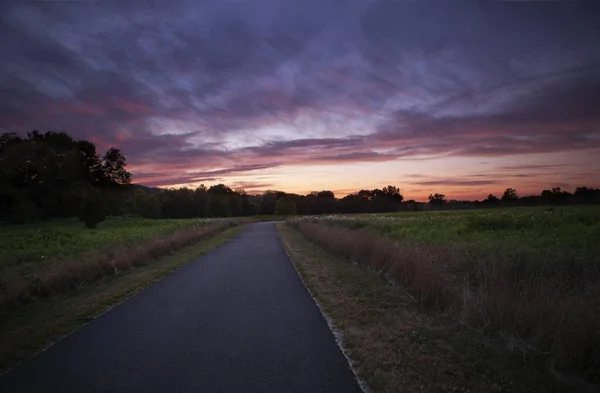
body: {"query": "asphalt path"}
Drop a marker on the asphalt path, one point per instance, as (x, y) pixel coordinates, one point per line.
(238, 319)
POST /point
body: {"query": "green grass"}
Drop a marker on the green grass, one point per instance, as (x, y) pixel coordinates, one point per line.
(548, 241)
(27, 330)
(25, 249)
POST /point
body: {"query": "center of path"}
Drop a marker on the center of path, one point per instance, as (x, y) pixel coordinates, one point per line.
(238, 319)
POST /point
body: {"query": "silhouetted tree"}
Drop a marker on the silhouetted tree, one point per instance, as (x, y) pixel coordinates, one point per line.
(510, 195)
(113, 168)
(352, 203)
(218, 205)
(302, 206)
(92, 209)
(437, 200)
(268, 201)
(200, 203)
(220, 189)
(412, 205)
(146, 205)
(52, 171)
(179, 203)
(587, 195)
(285, 206)
(491, 200)
(245, 207)
(388, 199)
(322, 202)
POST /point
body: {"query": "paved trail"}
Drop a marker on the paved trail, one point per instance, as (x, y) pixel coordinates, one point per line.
(236, 320)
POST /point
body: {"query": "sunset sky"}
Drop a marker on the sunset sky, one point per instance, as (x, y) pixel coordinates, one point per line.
(452, 97)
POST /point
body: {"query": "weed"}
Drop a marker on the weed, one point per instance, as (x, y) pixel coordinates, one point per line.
(17, 289)
(527, 274)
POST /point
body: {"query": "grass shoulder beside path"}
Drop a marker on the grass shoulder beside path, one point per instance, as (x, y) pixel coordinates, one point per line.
(395, 344)
(482, 268)
(25, 331)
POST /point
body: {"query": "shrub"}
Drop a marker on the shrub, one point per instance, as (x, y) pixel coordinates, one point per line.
(92, 210)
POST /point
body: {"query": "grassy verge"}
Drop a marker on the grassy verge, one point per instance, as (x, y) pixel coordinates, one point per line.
(18, 288)
(395, 344)
(530, 277)
(27, 330)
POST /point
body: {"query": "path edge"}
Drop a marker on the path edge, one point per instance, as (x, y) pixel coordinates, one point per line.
(337, 334)
(106, 311)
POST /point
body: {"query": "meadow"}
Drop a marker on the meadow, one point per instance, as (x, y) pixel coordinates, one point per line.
(530, 276)
(51, 257)
(527, 240)
(27, 248)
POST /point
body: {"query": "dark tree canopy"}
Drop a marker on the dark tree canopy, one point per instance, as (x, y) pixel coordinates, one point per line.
(92, 211)
(285, 206)
(113, 168)
(437, 199)
(45, 175)
(491, 199)
(510, 194)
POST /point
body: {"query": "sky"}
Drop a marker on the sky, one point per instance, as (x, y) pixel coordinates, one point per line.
(460, 98)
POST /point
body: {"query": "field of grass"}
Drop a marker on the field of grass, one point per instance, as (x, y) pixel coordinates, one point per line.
(529, 275)
(535, 240)
(28, 248)
(54, 257)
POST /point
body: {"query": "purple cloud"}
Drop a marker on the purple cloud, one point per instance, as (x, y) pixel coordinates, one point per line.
(199, 91)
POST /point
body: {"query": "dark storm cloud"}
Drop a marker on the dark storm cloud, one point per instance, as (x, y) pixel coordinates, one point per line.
(182, 84)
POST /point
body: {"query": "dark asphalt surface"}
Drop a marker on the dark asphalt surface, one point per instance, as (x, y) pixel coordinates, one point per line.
(236, 320)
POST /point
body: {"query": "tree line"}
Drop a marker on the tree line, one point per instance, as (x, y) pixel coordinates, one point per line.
(510, 197)
(49, 175)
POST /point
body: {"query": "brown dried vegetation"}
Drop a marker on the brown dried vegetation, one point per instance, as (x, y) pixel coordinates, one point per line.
(60, 277)
(543, 318)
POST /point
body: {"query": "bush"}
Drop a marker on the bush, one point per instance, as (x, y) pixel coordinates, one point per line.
(92, 210)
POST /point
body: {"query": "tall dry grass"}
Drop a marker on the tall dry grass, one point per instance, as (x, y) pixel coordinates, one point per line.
(63, 276)
(539, 317)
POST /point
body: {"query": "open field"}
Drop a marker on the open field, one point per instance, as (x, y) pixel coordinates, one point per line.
(57, 256)
(529, 276)
(27, 248)
(535, 240)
